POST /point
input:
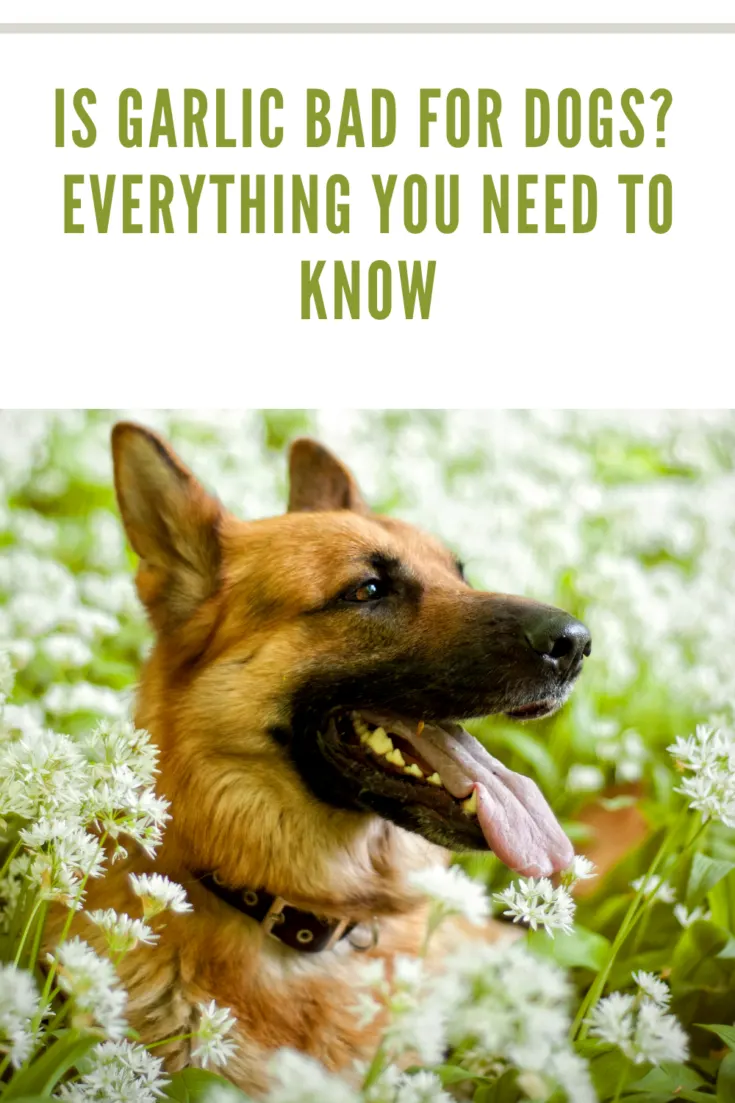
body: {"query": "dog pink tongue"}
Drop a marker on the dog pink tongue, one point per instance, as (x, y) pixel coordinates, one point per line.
(515, 818)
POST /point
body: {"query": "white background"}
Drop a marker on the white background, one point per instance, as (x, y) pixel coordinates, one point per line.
(182, 320)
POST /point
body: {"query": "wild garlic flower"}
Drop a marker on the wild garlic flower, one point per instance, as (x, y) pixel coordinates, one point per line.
(414, 1021)
(7, 677)
(92, 984)
(212, 1043)
(708, 760)
(640, 1025)
(581, 869)
(452, 892)
(122, 933)
(686, 918)
(18, 1006)
(655, 888)
(506, 1006)
(420, 1087)
(122, 762)
(537, 903)
(119, 1071)
(42, 774)
(158, 894)
(62, 854)
(653, 987)
(582, 778)
(300, 1079)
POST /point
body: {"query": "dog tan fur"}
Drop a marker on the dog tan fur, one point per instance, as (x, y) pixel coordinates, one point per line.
(242, 624)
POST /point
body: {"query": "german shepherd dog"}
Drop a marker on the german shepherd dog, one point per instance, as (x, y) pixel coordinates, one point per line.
(305, 690)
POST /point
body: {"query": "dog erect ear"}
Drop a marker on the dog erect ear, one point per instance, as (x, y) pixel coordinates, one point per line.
(171, 522)
(319, 481)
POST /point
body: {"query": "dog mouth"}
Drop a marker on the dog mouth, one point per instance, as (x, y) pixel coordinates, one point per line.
(448, 773)
(534, 711)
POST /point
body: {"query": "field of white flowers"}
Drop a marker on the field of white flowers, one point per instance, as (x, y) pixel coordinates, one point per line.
(627, 520)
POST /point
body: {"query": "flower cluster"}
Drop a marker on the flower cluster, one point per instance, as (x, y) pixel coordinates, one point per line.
(708, 760)
(639, 1024)
(536, 903)
(18, 1009)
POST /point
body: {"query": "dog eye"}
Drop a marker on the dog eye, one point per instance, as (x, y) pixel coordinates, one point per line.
(372, 590)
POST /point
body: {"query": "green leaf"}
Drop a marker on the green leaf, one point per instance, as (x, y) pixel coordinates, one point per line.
(669, 1077)
(606, 1071)
(453, 1074)
(582, 947)
(46, 1071)
(727, 1033)
(726, 1080)
(697, 945)
(705, 874)
(504, 1090)
(192, 1086)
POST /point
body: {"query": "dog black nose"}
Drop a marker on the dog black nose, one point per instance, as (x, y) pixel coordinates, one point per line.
(561, 639)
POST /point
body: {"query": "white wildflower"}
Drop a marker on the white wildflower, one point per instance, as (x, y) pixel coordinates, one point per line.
(421, 1087)
(301, 1079)
(452, 892)
(7, 677)
(612, 1020)
(118, 1071)
(655, 888)
(585, 779)
(212, 1042)
(62, 855)
(64, 699)
(581, 869)
(709, 758)
(414, 1022)
(121, 801)
(503, 1003)
(640, 1026)
(41, 774)
(158, 894)
(121, 932)
(365, 1009)
(66, 650)
(686, 918)
(537, 903)
(18, 1006)
(653, 987)
(658, 1036)
(92, 984)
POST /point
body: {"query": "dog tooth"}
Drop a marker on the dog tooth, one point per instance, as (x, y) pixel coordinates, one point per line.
(434, 779)
(379, 742)
(414, 769)
(469, 806)
(395, 757)
(420, 727)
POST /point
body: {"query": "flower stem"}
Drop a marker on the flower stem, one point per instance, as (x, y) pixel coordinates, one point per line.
(171, 1040)
(27, 930)
(376, 1067)
(38, 936)
(596, 989)
(45, 1000)
(621, 1083)
(6, 864)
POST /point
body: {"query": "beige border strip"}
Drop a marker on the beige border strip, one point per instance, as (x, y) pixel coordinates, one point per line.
(367, 28)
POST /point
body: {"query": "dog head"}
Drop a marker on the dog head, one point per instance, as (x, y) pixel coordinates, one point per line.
(310, 672)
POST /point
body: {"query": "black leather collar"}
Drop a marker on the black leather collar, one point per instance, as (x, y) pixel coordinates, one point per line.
(301, 930)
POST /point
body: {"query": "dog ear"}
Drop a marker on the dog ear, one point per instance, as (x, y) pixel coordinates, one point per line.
(319, 481)
(171, 522)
